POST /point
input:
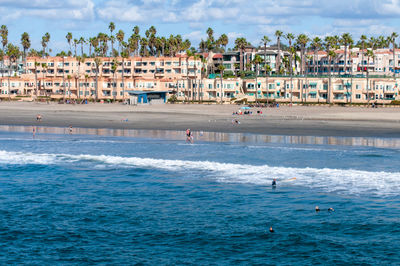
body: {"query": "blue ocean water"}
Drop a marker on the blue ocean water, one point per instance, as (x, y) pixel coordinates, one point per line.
(89, 199)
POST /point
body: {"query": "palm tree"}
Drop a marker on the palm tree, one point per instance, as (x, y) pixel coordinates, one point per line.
(4, 42)
(392, 39)
(221, 69)
(352, 54)
(240, 44)
(69, 86)
(103, 39)
(136, 30)
(97, 62)
(267, 71)
(63, 78)
(13, 53)
(114, 68)
(330, 46)
(94, 42)
(26, 44)
(188, 55)
(46, 39)
(82, 41)
(203, 74)
(316, 46)
(346, 40)
(111, 27)
(120, 38)
(369, 54)
(223, 40)
(86, 84)
(278, 35)
(264, 41)
(69, 38)
(363, 40)
(80, 60)
(124, 55)
(290, 37)
(44, 67)
(210, 39)
(257, 61)
(302, 41)
(36, 78)
(76, 42)
(44, 44)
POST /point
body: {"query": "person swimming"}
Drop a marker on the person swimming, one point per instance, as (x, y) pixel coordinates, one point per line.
(271, 230)
(317, 209)
(331, 210)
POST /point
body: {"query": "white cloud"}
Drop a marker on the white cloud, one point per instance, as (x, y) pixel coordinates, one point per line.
(195, 36)
(50, 9)
(240, 18)
(112, 11)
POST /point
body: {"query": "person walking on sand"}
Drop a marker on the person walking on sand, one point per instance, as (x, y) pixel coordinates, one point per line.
(33, 131)
(189, 137)
(70, 130)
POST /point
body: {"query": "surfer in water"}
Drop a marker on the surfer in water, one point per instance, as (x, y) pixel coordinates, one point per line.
(317, 209)
(274, 182)
(271, 230)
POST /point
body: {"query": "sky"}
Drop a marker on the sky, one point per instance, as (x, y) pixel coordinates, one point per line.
(251, 19)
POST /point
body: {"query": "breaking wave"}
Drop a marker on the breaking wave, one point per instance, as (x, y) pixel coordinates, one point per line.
(343, 181)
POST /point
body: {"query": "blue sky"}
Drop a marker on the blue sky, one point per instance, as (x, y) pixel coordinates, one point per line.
(190, 18)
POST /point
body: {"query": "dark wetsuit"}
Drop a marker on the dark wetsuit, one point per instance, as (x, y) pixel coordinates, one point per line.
(273, 183)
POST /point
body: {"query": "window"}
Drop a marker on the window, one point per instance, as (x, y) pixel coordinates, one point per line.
(358, 96)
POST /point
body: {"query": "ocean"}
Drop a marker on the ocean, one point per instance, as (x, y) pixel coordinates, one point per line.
(147, 197)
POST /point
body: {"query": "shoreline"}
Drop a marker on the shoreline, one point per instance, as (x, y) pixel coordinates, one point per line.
(248, 138)
(282, 121)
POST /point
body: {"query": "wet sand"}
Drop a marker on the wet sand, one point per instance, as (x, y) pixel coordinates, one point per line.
(291, 121)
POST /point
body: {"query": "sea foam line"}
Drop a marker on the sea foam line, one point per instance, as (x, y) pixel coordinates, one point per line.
(325, 179)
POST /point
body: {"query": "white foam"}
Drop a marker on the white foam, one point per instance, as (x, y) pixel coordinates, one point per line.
(326, 180)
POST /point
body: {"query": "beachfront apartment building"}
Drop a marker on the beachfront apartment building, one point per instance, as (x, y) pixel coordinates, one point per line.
(66, 78)
(318, 90)
(279, 89)
(231, 59)
(354, 62)
(296, 90)
(135, 67)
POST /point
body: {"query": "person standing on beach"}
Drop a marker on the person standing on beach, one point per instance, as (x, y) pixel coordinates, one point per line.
(33, 131)
(189, 137)
(70, 130)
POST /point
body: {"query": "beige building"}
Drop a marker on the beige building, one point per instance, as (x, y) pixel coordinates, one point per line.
(355, 62)
(65, 78)
(296, 90)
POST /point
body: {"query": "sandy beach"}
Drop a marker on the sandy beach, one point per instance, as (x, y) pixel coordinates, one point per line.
(295, 121)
